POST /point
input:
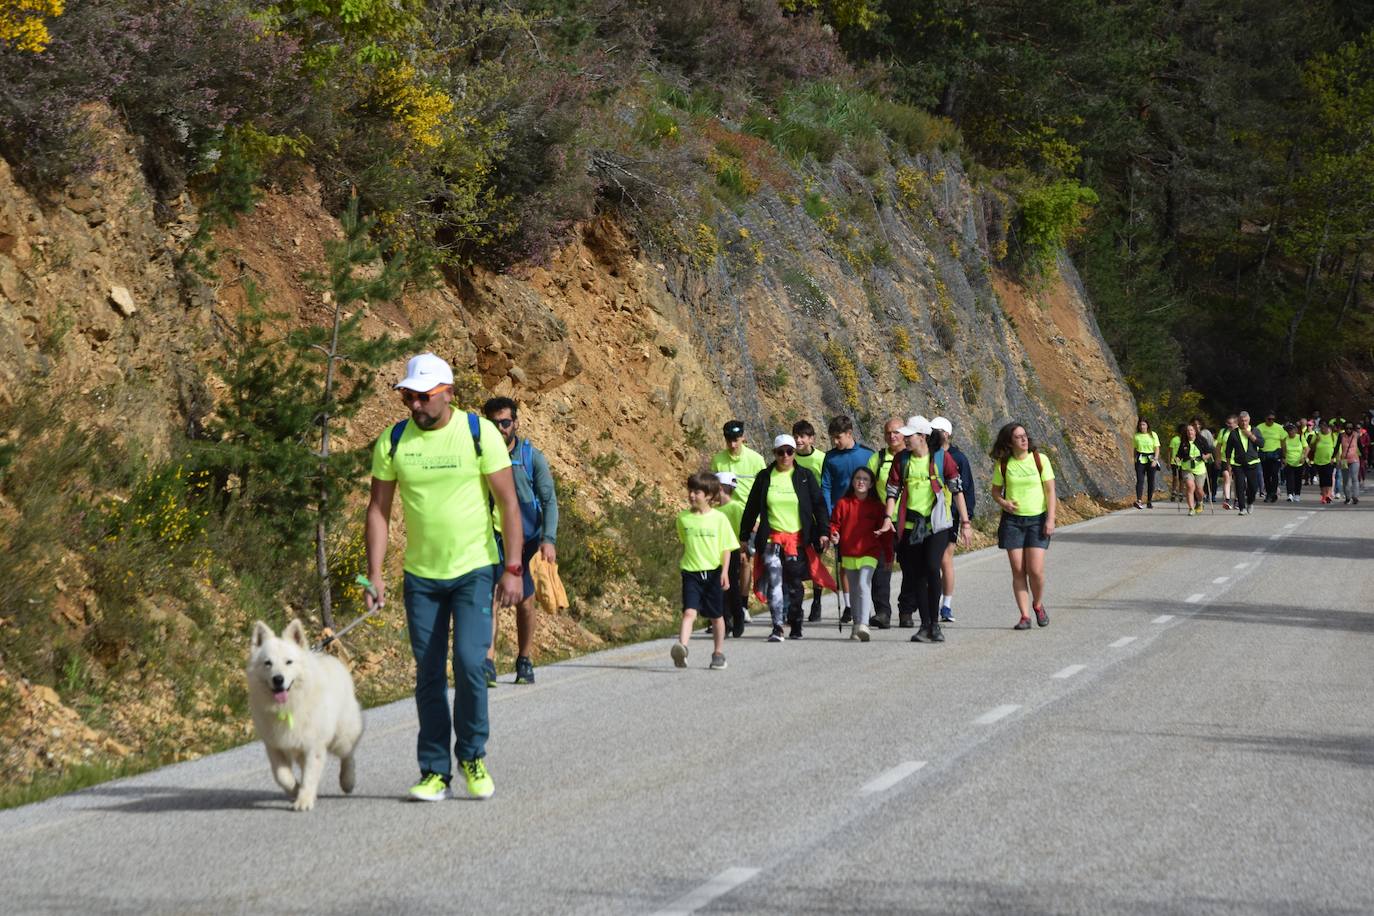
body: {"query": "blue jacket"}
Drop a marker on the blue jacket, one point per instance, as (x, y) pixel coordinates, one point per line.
(837, 470)
(965, 476)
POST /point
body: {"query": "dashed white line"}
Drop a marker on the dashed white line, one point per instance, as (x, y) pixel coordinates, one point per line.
(1065, 673)
(1123, 641)
(886, 780)
(1194, 599)
(1163, 618)
(718, 886)
(1221, 580)
(1241, 566)
(1275, 536)
(993, 715)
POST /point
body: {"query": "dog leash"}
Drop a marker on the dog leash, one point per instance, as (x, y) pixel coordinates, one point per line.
(371, 589)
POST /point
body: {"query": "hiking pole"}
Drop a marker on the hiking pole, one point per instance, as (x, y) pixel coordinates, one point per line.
(371, 589)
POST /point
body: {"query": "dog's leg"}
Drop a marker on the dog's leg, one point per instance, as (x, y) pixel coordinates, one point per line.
(282, 772)
(348, 775)
(311, 770)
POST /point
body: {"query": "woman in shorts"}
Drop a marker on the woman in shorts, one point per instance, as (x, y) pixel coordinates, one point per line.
(1023, 485)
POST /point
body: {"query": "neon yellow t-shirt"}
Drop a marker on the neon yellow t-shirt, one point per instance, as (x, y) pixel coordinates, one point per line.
(1025, 486)
(1194, 464)
(1293, 447)
(784, 510)
(812, 462)
(858, 562)
(444, 494)
(1145, 445)
(1324, 449)
(1173, 449)
(880, 463)
(704, 536)
(747, 466)
(1272, 435)
(734, 511)
(920, 498)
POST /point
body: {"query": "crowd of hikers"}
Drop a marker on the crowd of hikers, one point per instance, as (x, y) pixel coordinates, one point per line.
(764, 528)
(1241, 464)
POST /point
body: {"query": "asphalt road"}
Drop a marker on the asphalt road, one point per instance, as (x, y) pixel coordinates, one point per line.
(1191, 734)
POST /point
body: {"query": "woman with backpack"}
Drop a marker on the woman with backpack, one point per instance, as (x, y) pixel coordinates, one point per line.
(922, 495)
(1023, 485)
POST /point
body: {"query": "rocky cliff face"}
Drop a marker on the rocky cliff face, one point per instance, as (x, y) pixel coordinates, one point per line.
(872, 296)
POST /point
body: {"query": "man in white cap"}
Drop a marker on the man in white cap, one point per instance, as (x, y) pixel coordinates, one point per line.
(446, 469)
(786, 504)
(946, 428)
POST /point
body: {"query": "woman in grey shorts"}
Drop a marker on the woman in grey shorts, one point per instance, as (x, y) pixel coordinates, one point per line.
(1023, 485)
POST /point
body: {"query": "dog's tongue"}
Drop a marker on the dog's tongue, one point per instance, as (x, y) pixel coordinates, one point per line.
(279, 696)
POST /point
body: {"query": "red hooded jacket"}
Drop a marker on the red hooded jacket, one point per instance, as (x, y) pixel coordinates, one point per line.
(854, 522)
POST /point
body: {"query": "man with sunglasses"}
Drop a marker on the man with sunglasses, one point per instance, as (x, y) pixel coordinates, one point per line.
(539, 515)
(448, 468)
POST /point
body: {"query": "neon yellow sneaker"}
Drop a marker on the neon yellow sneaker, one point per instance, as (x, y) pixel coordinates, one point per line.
(480, 785)
(431, 787)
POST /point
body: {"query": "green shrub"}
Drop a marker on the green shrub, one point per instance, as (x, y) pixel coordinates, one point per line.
(1050, 216)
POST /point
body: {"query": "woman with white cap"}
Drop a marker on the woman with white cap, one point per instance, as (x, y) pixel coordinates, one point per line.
(785, 502)
(917, 489)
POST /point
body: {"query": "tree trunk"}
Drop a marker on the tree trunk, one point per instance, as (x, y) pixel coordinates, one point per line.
(322, 508)
(1352, 292)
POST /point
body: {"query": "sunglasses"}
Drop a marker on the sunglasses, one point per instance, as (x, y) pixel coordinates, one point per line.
(407, 396)
(785, 450)
(505, 424)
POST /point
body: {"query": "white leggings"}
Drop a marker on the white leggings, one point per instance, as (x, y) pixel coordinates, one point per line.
(860, 593)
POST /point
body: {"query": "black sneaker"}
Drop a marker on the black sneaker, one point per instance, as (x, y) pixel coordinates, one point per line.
(880, 623)
(906, 622)
(936, 634)
(815, 616)
(921, 635)
(847, 616)
(796, 632)
(524, 670)
(776, 635)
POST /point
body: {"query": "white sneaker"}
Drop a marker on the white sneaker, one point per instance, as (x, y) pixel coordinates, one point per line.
(863, 633)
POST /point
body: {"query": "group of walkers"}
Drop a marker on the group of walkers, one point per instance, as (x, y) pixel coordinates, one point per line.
(1240, 464)
(767, 527)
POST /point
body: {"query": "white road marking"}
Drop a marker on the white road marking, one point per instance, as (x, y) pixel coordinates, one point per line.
(1221, 580)
(1194, 599)
(1275, 536)
(1242, 566)
(1069, 672)
(1163, 618)
(884, 781)
(1123, 641)
(993, 715)
(718, 886)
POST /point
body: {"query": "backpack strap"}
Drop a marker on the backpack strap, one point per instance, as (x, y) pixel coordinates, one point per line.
(527, 459)
(397, 431)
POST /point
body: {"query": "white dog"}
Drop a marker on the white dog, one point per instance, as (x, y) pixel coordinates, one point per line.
(303, 706)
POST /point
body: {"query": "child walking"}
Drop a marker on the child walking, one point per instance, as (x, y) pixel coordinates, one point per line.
(856, 526)
(707, 540)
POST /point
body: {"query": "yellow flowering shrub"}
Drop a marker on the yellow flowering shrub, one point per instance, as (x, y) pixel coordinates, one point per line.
(23, 25)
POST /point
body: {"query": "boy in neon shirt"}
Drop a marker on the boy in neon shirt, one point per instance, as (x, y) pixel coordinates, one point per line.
(707, 539)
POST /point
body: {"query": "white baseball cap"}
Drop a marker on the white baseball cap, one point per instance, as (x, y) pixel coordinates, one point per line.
(782, 440)
(917, 425)
(943, 425)
(727, 478)
(425, 373)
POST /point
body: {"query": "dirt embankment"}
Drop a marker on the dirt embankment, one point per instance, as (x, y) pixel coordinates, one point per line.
(625, 357)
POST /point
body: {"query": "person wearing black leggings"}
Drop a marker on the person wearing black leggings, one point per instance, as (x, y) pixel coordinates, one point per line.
(915, 486)
(1242, 453)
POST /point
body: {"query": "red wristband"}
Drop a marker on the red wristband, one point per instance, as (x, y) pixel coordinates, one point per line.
(515, 569)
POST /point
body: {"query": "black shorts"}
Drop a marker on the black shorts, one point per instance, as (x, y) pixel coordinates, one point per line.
(1326, 474)
(1018, 531)
(701, 592)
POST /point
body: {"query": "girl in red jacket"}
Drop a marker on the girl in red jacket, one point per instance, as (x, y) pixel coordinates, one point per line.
(854, 526)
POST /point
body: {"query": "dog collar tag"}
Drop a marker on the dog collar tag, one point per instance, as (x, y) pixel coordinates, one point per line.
(285, 715)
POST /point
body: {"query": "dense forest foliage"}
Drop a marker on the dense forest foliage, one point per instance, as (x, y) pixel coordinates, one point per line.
(1209, 161)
